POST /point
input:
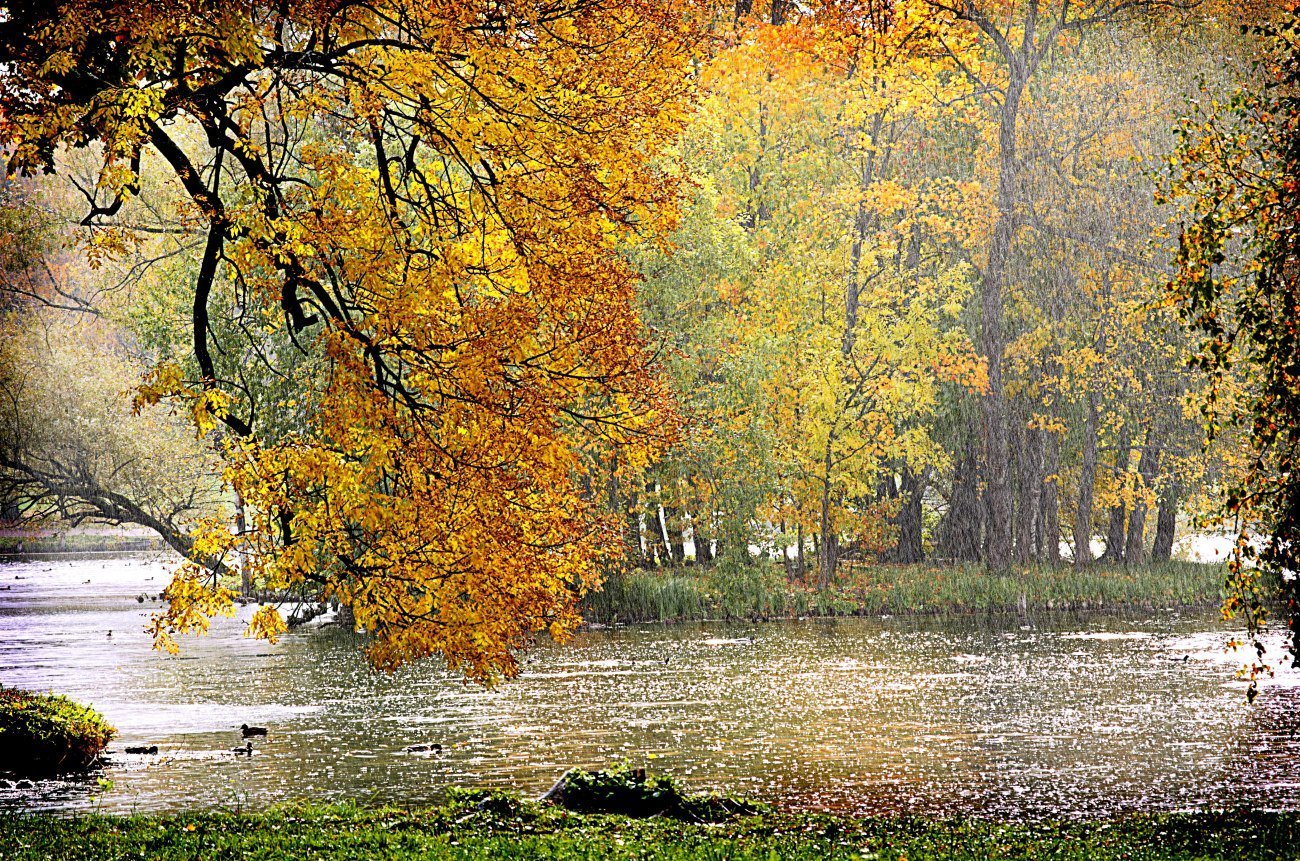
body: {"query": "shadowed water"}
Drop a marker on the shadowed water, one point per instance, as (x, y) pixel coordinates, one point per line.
(1032, 717)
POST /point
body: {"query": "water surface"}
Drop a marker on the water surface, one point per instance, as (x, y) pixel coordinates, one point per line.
(1012, 717)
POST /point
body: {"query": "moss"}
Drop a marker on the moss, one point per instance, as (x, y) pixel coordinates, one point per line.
(42, 734)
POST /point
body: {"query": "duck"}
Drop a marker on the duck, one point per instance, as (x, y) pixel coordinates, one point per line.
(252, 730)
(246, 750)
(432, 747)
(149, 749)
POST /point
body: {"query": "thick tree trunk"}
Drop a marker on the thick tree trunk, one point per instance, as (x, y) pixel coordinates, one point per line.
(1029, 469)
(962, 525)
(908, 520)
(1135, 543)
(828, 557)
(1166, 523)
(703, 542)
(1118, 513)
(1087, 486)
(998, 508)
(1049, 502)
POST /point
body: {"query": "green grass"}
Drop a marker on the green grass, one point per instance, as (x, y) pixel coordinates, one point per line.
(528, 831)
(761, 591)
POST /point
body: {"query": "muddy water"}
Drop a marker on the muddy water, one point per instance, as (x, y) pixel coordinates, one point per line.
(1019, 717)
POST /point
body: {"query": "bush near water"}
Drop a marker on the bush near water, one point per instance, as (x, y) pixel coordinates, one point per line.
(44, 734)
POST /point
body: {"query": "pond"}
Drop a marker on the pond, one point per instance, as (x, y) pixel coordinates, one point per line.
(1012, 717)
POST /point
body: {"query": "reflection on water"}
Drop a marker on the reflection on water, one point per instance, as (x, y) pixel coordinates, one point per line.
(1023, 717)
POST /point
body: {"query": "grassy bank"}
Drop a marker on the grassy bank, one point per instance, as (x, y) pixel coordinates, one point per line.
(761, 591)
(528, 831)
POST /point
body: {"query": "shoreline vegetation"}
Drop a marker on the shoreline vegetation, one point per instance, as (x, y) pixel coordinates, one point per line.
(45, 734)
(498, 825)
(760, 592)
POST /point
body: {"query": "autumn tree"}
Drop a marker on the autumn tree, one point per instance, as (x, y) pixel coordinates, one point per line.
(423, 203)
(1017, 37)
(1235, 175)
(829, 306)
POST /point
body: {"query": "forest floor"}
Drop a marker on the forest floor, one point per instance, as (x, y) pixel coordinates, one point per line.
(762, 591)
(529, 831)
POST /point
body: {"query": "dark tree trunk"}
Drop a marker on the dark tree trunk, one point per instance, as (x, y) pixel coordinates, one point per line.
(998, 507)
(1135, 543)
(962, 525)
(908, 519)
(676, 540)
(800, 563)
(786, 562)
(241, 551)
(828, 558)
(703, 542)
(1087, 486)
(827, 550)
(1029, 470)
(1166, 523)
(1049, 502)
(654, 536)
(1118, 513)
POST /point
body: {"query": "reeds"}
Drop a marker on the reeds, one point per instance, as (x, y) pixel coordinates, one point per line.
(760, 590)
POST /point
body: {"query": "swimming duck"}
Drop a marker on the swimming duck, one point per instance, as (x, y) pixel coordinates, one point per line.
(246, 750)
(252, 730)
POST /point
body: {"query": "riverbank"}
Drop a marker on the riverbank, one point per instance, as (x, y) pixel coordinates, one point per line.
(762, 592)
(515, 830)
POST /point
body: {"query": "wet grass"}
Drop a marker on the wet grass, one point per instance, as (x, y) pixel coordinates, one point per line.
(529, 831)
(761, 591)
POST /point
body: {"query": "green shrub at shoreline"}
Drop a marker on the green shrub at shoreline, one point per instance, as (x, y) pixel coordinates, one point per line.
(43, 734)
(512, 829)
(761, 591)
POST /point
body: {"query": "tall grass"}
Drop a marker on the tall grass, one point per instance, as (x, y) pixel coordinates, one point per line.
(760, 590)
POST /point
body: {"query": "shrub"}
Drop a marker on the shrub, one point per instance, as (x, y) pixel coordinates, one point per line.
(629, 791)
(42, 734)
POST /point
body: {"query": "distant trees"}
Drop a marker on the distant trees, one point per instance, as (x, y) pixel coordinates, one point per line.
(967, 182)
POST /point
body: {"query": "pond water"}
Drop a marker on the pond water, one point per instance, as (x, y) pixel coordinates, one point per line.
(1015, 717)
